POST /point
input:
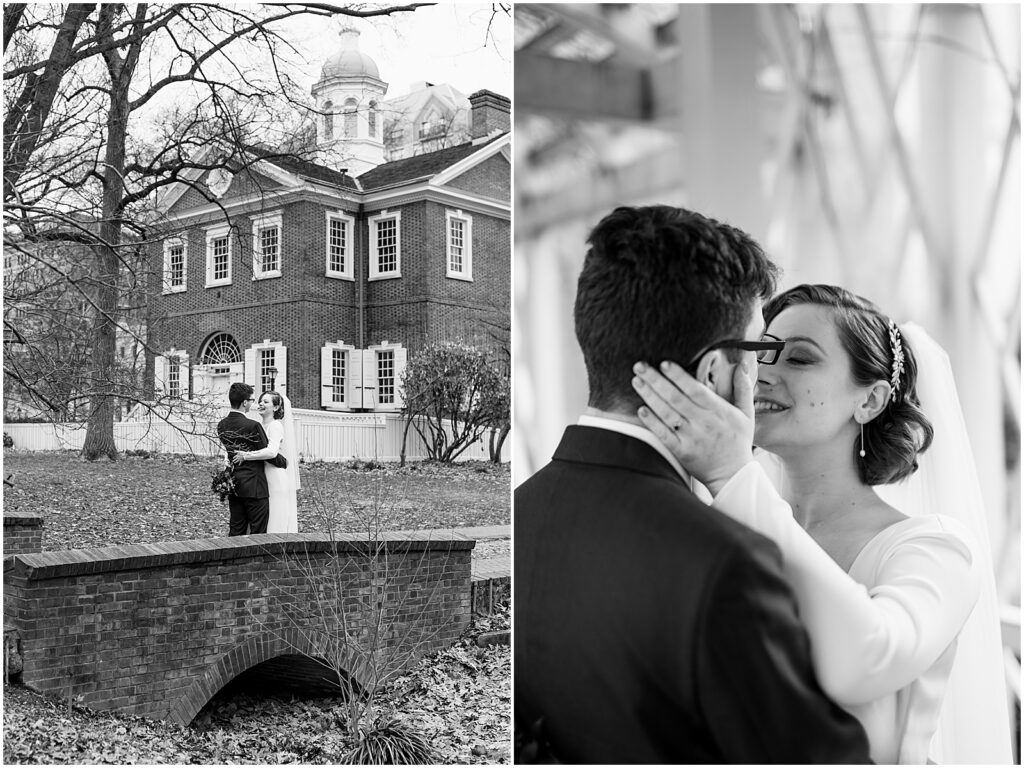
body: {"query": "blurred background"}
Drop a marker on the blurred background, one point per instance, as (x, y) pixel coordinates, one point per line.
(870, 146)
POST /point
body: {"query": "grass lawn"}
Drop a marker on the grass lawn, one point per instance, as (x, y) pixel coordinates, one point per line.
(142, 500)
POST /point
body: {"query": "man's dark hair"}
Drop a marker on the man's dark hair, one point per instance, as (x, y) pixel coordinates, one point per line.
(238, 393)
(661, 283)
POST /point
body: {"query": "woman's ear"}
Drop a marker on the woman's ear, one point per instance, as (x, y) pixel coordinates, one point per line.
(876, 397)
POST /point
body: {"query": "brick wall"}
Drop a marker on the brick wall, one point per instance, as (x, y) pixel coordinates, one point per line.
(490, 178)
(157, 630)
(426, 305)
(22, 534)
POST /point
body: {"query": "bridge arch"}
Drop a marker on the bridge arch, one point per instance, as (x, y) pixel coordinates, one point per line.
(247, 654)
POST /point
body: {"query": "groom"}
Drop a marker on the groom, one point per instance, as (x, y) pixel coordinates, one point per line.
(249, 504)
(648, 627)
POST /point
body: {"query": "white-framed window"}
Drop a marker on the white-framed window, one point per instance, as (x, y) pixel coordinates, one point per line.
(339, 245)
(459, 240)
(386, 376)
(218, 256)
(266, 246)
(175, 265)
(266, 366)
(171, 374)
(340, 376)
(388, 362)
(173, 377)
(385, 245)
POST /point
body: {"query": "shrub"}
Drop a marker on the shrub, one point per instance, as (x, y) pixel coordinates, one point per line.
(453, 393)
(390, 742)
(8, 441)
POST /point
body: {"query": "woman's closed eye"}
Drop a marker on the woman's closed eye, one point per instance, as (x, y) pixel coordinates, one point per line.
(798, 360)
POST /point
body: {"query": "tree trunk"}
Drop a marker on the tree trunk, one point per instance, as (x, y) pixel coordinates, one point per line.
(405, 438)
(497, 444)
(99, 436)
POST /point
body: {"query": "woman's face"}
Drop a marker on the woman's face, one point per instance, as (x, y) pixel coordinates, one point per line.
(808, 398)
(265, 405)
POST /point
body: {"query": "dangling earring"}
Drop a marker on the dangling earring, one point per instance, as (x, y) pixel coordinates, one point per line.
(862, 454)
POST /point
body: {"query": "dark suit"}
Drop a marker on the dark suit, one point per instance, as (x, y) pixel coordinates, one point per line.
(650, 628)
(250, 504)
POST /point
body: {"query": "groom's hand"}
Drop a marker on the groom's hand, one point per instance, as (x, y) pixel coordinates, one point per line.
(711, 437)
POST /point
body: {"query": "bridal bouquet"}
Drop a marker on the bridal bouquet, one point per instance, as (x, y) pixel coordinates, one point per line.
(224, 483)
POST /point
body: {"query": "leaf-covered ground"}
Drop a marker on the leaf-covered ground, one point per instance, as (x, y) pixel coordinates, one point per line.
(459, 698)
(142, 500)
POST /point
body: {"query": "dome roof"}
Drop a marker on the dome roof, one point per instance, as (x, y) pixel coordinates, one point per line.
(349, 60)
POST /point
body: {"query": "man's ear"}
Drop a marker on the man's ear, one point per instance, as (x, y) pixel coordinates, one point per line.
(715, 371)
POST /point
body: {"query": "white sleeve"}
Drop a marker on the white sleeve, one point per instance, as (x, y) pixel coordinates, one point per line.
(275, 433)
(864, 644)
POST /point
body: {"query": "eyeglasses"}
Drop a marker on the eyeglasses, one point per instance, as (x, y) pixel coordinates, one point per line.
(768, 348)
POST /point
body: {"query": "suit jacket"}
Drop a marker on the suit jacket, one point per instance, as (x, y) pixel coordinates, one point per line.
(650, 628)
(237, 432)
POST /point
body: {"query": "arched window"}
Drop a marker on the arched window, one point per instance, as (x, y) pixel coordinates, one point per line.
(371, 118)
(221, 349)
(350, 118)
(328, 121)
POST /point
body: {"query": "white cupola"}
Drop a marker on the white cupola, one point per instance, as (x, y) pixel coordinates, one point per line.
(349, 120)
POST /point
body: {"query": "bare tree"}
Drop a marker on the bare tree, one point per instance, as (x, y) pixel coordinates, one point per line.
(82, 82)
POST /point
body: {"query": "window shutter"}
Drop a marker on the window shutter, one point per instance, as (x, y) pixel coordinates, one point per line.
(159, 375)
(355, 379)
(250, 374)
(186, 391)
(370, 394)
(326, 359)
(281, 362)
(401, 357)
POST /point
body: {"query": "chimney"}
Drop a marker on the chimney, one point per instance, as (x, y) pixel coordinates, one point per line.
(490, 115)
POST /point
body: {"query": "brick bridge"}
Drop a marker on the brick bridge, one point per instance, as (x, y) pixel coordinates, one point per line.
(158, 629)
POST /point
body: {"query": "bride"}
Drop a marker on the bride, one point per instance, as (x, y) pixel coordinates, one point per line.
(898, 599)
(275, 411)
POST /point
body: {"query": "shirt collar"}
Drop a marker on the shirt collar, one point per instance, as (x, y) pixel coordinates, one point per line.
(640, 433)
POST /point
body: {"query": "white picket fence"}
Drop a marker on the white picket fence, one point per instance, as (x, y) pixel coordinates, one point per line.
(321, 436)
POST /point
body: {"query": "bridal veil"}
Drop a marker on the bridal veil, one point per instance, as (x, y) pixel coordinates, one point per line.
(289, 446)
(974, 725)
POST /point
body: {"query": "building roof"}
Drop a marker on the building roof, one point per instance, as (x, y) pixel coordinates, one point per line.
(348, 60)
(418, 166)
(308, 169)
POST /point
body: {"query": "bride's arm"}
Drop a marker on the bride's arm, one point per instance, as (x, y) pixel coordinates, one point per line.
(864, 644)
(275, 433)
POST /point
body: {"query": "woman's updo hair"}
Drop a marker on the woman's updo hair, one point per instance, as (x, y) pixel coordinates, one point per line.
(278, 401)
(894, 438)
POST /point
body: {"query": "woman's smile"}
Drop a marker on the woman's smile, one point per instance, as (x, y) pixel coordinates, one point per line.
(763, 405)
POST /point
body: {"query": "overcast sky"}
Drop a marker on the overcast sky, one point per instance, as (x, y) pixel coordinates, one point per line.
(445, 43)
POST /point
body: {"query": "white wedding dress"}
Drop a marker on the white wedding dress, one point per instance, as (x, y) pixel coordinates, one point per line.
(282, 484)
(908, 640)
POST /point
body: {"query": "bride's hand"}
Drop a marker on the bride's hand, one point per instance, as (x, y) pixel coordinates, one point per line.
(237, 459)
(710, 437)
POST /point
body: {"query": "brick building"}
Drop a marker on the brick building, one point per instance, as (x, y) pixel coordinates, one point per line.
(321, 283)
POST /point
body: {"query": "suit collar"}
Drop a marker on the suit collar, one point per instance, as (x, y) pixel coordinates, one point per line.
(594, 418)
(604, 447)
